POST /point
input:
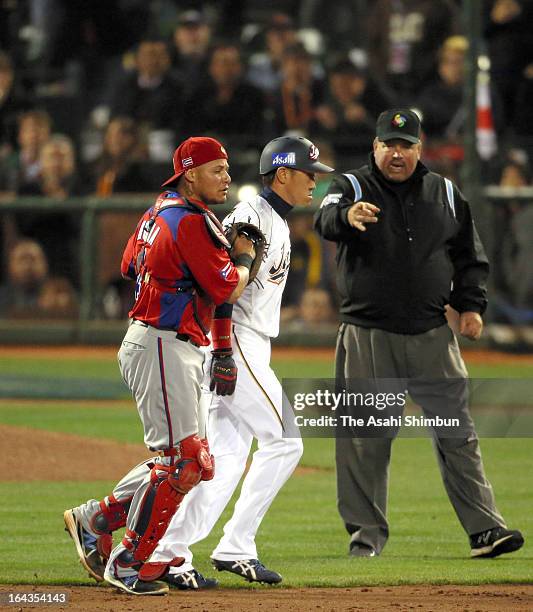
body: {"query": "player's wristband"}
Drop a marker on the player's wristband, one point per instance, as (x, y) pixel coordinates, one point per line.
(244, 260)
(221, 329)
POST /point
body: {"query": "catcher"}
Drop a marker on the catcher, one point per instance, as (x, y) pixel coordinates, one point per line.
(178, 257)
(288, 166)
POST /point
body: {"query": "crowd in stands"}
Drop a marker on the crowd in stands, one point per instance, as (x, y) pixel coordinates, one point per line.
(95, 97)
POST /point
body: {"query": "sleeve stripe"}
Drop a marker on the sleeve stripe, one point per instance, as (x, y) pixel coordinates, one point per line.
(449, 193)
(356, 186)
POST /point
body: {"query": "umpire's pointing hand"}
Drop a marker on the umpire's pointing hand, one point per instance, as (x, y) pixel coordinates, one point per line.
(361, 213)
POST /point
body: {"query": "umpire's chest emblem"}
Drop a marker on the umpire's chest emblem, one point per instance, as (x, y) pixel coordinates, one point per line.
(279, 270)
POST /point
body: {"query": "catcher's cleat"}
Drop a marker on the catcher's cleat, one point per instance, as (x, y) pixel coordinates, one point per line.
(86, 545)
(251, 570)
(191, 580)
(494, 542)
(136, 586)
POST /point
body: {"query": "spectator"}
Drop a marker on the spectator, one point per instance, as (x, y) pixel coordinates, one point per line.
(299, 94)
(57, 232)
(27, 272)
(225, 105)
(57, 299)
(12, 103)
(306, 265)
(316, 307)
(348, 116)
(189, 52)
(150, 94)
(265, 66)
(58, 173)
(23, 167)
(441, 102)
(404, 36)
(508, 35)
(119, 168)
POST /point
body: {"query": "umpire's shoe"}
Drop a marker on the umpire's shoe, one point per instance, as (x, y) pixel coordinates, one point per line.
(250, 569)
(85, 543)
(191, 580)
(494, 542)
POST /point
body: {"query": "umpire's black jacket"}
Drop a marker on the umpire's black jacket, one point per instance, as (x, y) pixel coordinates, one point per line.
(423, 253)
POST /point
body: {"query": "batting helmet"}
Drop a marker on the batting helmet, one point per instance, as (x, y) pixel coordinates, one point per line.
(291, 152)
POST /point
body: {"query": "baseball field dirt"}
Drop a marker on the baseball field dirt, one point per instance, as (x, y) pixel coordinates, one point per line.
(489, 598)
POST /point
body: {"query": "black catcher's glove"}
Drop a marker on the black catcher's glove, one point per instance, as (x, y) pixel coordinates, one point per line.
(223, 373)
(255, 235)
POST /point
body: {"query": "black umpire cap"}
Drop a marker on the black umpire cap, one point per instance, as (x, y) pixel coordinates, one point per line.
(400, 123)
(291, 152)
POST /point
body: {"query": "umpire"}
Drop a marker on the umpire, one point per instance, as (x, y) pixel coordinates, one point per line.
(407, 247)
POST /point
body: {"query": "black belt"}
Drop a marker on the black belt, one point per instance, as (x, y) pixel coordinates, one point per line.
(182, 337)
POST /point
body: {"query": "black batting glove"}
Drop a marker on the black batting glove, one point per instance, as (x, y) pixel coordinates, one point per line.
(223, 373)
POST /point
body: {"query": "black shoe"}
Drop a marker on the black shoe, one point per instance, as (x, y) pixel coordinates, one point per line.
(192, 580)
(134, 586)
(250, 569)
(85, 544)
(358, 549)
(494, 542)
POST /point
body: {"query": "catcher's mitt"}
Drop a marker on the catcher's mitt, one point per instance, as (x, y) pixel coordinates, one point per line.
(255, 235)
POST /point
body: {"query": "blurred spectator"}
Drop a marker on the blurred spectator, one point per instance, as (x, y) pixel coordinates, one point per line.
(348, 116)
(150, 94)
(57, 299)
(119, 168)
(404, 36)
(56, 231)
(299, 94)
(306, 264)
(12, 103)
(441, 102)
(57, 176)
(23, 167)
(510, 45)
(316, 308)
(264, 67)
(189, 52)
(27, 272)
(225, 106)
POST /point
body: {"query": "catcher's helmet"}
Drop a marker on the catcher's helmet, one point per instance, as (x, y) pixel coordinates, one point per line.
(291, 152)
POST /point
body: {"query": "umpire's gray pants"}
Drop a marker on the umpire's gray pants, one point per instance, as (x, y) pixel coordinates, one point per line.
(363, 463)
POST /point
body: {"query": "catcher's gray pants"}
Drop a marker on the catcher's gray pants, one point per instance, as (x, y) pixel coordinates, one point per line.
(363, 463)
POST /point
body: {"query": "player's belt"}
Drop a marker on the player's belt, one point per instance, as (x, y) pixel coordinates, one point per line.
(182, 337)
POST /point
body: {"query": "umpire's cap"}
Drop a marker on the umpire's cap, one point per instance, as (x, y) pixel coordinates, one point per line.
(402, 123)
(291, 152)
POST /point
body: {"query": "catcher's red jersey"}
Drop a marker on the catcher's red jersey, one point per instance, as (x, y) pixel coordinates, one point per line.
(181, 273)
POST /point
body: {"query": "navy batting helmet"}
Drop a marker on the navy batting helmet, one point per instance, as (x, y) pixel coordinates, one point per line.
(291, 152)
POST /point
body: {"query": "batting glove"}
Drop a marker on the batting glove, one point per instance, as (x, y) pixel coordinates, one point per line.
(223, 374)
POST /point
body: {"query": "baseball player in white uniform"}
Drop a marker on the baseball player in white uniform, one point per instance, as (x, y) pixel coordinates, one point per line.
(288, 166)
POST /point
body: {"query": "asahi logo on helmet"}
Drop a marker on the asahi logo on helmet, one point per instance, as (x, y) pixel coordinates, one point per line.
(283, 159)
(313, 152)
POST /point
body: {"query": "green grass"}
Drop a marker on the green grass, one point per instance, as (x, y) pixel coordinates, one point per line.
(302, 535)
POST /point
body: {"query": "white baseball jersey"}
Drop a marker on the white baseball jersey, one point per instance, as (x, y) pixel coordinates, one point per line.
(259, 305)
(253, 411)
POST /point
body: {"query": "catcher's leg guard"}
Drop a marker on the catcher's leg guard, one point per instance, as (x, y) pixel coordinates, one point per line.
(111, 516)
(152, 570)
(168, 485)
